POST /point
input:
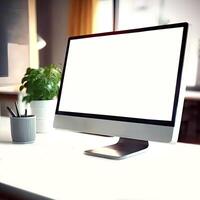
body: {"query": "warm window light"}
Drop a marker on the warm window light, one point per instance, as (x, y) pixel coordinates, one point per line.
(103, 17)
(41, 43)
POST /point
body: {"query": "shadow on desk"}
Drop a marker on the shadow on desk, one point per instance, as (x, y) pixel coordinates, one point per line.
(11, 193)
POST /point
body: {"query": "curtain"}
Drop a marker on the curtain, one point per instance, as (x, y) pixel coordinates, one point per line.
(81, 17)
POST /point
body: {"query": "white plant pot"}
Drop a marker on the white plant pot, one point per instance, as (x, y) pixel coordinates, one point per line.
(44, 111)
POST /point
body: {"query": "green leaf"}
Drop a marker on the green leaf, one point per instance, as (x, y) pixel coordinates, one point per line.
(21, 87)
(42, 83)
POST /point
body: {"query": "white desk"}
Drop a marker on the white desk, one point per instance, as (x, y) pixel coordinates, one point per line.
(55, 166)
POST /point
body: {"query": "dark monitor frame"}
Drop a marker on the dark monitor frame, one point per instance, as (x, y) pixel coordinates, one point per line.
(127, 119)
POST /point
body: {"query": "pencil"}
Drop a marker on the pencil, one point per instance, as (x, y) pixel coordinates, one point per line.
(25, 112)
(17, 110)
(11, 112)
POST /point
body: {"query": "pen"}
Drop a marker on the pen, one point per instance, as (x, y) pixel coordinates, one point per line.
(11, 112)
(25, 112)
(17, 110)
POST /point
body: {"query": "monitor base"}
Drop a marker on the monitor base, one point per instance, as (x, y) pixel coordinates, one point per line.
(122, 149)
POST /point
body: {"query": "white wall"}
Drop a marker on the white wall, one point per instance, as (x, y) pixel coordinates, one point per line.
(18, 61)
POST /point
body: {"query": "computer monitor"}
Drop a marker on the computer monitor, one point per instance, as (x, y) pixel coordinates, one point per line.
(126, 84)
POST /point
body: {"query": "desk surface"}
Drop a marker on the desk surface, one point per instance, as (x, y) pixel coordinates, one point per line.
(55, 166)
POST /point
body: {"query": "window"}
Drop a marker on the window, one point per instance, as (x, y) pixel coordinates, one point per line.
(139, 13)
(104, 16)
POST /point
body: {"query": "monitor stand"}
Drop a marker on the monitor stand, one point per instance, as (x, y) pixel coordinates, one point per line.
(123, 148)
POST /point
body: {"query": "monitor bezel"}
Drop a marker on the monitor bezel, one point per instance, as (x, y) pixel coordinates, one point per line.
(171, 122)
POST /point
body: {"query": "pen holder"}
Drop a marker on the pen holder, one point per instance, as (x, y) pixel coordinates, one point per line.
(23, 129)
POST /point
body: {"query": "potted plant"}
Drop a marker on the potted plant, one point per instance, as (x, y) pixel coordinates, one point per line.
(41, 89)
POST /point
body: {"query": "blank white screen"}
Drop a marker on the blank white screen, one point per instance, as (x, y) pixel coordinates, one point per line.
(130, 75)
